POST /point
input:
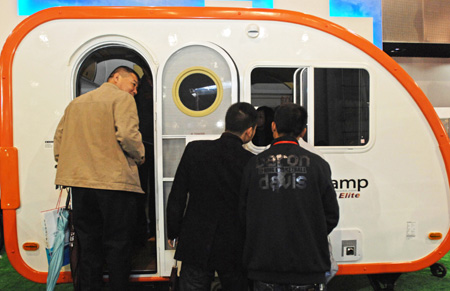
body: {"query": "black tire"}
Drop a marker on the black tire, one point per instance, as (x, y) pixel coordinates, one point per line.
(438, 270)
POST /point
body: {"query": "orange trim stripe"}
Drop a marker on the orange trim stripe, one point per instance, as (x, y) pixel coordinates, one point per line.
(6, 126)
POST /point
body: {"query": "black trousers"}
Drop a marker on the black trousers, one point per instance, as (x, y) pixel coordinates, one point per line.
(104, 221)
(193, 278)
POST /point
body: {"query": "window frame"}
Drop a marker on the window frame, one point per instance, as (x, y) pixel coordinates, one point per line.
(311, 98)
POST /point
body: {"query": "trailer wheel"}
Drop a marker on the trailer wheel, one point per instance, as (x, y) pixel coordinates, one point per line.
(385, 281)
(438, 270)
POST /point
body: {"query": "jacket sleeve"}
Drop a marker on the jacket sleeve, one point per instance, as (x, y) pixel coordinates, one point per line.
(177, 200)
(58, 138)
(329, 201)
(126, 122)
(243, 195)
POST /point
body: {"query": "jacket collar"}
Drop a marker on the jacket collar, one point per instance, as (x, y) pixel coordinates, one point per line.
(231, 137)
(110, 85)
(285, 140)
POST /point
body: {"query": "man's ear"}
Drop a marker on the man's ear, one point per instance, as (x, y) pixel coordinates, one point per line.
(250, 132)
(274, 130)
(303, 133)
(115, 78)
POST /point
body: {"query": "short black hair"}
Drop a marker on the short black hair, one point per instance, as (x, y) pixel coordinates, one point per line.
(124, 69)
(290, 119)
(240, 116)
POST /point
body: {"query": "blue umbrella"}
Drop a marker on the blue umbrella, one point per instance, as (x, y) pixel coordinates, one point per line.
(57, 257)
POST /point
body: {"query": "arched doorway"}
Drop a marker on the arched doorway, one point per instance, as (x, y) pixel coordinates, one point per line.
(93, 71)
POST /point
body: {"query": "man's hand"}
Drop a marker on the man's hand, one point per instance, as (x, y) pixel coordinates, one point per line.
(173, 242)
(142, 161)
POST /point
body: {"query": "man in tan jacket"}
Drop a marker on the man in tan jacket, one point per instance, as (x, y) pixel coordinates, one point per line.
(98, 148)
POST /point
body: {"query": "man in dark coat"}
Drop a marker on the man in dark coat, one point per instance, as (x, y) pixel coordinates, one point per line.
(289, 207)
(202, 208)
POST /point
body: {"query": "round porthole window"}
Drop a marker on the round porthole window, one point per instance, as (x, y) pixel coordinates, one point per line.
(197, 91)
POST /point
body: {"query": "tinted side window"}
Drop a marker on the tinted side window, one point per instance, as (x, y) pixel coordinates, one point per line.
(341, 107)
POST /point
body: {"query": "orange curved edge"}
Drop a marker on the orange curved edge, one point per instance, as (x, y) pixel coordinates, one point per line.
(47, 15)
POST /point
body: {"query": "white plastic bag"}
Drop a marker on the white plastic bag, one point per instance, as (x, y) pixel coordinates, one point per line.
(49, 227)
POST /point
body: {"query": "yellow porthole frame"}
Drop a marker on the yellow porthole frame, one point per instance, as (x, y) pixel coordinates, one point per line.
(197, 70)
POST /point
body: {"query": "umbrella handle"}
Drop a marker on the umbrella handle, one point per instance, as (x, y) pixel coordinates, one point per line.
(59, 199)
(58, 203)
(69, 196)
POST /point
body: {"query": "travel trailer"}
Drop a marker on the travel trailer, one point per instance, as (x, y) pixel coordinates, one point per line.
(388, 151)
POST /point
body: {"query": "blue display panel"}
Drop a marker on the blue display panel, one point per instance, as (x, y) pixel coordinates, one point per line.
(361, 8)
(338, 8)
(28, 7)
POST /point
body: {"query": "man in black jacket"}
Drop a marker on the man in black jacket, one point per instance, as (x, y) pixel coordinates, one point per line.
(289, 207)
(202, 208)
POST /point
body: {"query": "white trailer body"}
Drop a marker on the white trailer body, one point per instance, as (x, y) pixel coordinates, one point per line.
(390, 171)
